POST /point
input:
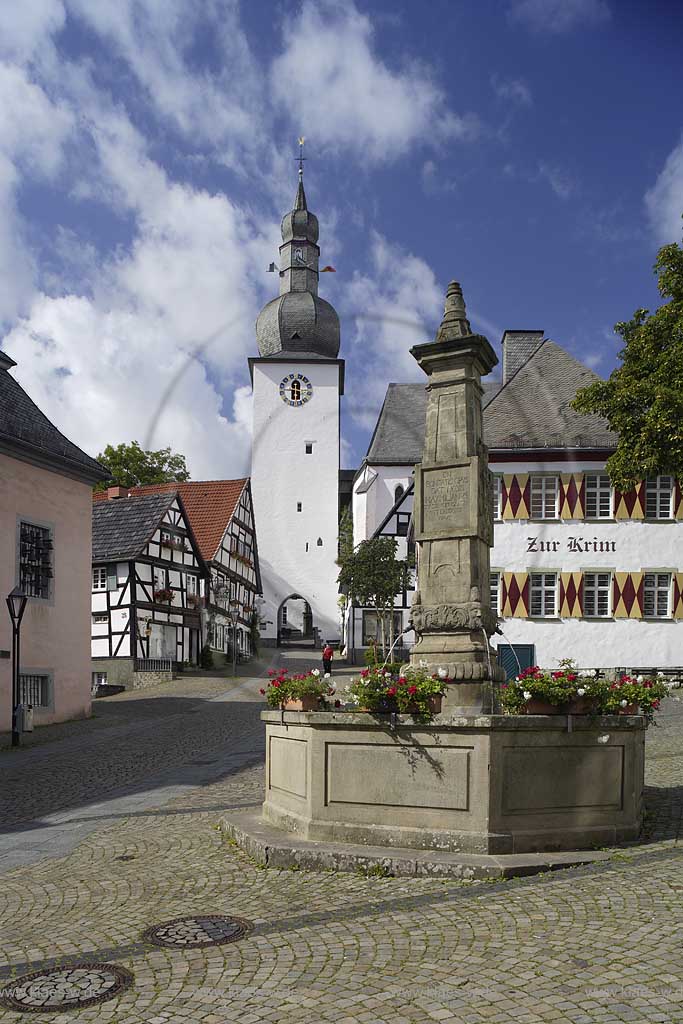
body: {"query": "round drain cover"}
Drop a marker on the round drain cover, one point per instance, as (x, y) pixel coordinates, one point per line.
(62, 988)
(200, 930)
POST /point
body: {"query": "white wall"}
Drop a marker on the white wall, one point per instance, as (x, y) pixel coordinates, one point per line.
(282, 474)
(371, 505)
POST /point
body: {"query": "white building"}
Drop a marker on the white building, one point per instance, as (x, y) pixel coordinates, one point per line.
(577, 569)
(297, 383)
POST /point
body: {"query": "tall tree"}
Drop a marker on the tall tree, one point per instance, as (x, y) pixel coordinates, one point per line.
(642, 400)
(373, 577)
(131, 466)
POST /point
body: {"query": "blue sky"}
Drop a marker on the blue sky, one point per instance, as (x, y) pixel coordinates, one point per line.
(532, 149)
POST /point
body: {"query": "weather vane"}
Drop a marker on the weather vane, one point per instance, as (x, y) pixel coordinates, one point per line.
(301, 156)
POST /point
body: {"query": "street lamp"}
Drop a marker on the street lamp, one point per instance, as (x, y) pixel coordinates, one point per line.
(16, 603)
(234, 615)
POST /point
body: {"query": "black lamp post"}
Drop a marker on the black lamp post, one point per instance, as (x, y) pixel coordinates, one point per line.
(234, 614)
(16, 603)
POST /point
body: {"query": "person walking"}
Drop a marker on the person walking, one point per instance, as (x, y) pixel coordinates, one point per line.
(328, 654)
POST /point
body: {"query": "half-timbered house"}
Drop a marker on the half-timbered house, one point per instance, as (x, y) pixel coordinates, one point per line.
(220, 514)
(147, 573)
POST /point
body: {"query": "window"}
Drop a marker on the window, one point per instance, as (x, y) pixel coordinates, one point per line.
(295, 391)
(284, 615)
(372, 629)
(99, 577)
(543, 497)
(35, 690)
(598, 496)
(298, 506)
(398, 492)
(97, 679)
(35, 560)
(658, 497)
(656, 590)
(597, 591)
(402, 523)
(495, 592)
(100, 618)
(309, 447)
(543, 587)
(191, 582)
(497, 496)
(319, 542)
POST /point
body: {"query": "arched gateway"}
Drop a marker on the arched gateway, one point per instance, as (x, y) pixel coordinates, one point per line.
(295, 623)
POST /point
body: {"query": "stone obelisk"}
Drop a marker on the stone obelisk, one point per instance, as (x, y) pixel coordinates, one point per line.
(454, 517)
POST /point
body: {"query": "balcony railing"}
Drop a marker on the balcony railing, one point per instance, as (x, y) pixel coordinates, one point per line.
(153, 665)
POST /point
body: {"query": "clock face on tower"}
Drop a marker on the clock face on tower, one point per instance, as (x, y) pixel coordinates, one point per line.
(295, 389)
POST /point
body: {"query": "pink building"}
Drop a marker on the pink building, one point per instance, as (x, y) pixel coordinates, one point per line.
(45, 547)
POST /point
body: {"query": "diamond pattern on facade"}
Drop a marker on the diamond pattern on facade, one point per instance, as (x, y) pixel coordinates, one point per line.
(571, 595)
(571, 496)
(628, 595)
(515, 496)
(631, 504)
(515, 595)
(678, 595)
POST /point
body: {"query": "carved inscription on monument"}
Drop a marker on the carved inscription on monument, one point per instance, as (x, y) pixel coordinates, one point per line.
(446, 500)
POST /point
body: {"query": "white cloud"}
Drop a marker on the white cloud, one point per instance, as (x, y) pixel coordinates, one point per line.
(664, 201)
(345, 96)
(560, 180)
(25, 27)
(515, 90)
(557, 16)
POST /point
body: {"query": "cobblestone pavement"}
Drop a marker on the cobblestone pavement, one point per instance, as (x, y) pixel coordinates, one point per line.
(600, 943)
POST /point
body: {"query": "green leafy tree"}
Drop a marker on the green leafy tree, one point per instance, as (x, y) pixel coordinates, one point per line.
(372, 576)
(131, 466)
(643, 398)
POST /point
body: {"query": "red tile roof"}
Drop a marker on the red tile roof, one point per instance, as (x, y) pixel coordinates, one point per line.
(209, 505)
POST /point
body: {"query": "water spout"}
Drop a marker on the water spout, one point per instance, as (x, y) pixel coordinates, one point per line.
(408, 629)
(512, 648)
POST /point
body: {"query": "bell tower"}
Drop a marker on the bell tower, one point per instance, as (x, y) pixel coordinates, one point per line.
(297, 381)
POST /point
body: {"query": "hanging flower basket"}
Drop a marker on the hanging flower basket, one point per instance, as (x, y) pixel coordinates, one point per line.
(164, 596)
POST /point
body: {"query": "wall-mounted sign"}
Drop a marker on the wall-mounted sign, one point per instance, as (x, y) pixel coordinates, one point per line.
(574, 545)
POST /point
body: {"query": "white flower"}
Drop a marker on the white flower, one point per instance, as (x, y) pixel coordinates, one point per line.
(315, 672)
(624, 703)
(639, 679)
(442, 672)
(527, 695)
(387, 675)
(594, 673)
(581, 691)
(584, 673)
(327, 675)
(603, 739)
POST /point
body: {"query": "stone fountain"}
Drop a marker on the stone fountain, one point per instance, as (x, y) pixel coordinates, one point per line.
(471, 782)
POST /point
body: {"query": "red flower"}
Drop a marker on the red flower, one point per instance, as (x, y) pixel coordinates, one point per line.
(402, 680)
(365, 672)
(276, 683)
(412, 690)
(337, 703)
(392, 691)
(504, 686)
(262, 691)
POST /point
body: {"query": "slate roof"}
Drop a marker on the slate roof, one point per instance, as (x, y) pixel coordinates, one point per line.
(25, 430)
(122, 527)
(400, 431)
(530, 412)
(209, 506)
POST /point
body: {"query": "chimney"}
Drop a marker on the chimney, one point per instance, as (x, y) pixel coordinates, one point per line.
(518, 348)
(116, 492)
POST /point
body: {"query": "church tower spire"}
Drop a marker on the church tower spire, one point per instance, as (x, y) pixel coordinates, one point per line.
(298, 320)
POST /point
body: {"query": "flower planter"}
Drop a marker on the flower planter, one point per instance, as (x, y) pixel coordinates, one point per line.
(630, 709)
(309, 702)
(582, 706)
(536, 706)
(433, 706)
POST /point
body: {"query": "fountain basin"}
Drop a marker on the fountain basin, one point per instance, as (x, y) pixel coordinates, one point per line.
(492, 784)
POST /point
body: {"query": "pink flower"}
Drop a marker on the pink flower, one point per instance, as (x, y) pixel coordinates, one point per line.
(412, 690)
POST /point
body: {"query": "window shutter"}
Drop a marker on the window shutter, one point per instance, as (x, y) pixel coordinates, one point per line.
(112, 582)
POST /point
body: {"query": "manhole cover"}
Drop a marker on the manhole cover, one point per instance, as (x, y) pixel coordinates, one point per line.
(195, 932)
(63, 988)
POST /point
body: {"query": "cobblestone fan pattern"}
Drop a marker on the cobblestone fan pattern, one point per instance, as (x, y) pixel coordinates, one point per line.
(595, 944)
(72, 987)
(197, 932)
